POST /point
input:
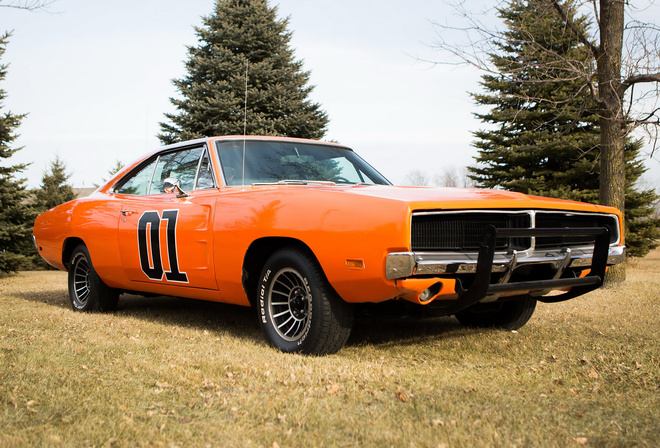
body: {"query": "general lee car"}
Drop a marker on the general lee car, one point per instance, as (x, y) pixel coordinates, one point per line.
(303, 230)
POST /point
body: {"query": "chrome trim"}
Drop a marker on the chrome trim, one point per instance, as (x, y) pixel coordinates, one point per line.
(400, 265)
(405, 264)
(561, 267)
(509, 268)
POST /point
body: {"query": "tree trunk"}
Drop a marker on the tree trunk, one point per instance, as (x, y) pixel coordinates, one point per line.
(612, 121)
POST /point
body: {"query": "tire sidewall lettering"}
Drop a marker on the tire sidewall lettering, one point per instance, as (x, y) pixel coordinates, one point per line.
(262, 296)
(265, 314)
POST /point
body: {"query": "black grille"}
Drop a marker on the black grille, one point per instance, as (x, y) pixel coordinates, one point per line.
(464, 231)
(558, 219)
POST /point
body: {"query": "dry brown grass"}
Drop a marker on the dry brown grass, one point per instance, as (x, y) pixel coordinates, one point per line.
(171, 372)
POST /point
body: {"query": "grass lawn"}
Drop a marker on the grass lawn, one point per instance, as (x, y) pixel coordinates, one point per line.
(169, 372)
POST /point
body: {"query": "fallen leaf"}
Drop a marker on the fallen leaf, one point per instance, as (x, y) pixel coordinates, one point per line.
(593, 374)
(333, 388)
(29, 405)
(581, 440)
(402, 396)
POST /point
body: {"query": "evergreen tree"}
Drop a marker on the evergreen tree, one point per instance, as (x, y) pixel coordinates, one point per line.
(243, 34)
(546, 135)
(16, 215)
(54, 187)
(111, 173)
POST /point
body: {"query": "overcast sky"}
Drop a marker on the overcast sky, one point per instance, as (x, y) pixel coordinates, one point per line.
(95, 78)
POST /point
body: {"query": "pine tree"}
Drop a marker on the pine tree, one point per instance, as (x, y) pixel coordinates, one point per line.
(16, 215)
(243, 35)
(545, 138)
(54, 187)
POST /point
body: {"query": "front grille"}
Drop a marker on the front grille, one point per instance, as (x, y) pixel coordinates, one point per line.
(559, 219)
(464, 231)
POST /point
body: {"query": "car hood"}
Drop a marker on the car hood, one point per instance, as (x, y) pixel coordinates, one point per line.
(427, 198)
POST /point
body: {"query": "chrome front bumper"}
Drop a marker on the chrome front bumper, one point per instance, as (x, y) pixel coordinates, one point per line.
(407, 264)
(487, 261)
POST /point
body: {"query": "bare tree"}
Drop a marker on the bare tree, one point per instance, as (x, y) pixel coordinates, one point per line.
(417, 178)
(624, 79)
(448, 178)
(29, 5)
(453, 177)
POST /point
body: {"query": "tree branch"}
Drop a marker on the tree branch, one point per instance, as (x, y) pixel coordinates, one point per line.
(581, 37)
(637, 79)
(28, 5)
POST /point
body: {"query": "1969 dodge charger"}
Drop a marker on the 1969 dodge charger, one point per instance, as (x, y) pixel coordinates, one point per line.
(303, 231)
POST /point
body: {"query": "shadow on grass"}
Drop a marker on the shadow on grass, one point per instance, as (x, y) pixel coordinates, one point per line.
(58, 298)
(377, 326)
(407, 330)
(215, 317)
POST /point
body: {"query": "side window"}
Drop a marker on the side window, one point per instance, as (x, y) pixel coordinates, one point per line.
(205, 175)
(180, 165)
(139, 182)
(192, 167)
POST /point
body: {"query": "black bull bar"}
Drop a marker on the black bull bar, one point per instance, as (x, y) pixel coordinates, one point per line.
(481, 286)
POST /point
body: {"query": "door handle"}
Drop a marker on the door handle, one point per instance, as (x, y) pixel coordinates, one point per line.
(128, 212)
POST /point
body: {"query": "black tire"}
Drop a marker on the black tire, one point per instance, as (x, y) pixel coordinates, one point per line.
(298, 309)
(87, 291)
(509, 315)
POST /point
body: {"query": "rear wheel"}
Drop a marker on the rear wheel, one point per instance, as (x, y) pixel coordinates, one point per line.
(298, 309)
(86, 289)
(509, 315)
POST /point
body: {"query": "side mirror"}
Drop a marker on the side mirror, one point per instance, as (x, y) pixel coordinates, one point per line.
(171, 185)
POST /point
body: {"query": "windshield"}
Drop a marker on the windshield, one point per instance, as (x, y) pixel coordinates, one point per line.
(280, 161)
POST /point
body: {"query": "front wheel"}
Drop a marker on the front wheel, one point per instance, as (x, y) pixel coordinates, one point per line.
(86, 289)
(509, 315)
(298, 309)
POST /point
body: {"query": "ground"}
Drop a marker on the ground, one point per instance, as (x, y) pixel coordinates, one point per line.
(172, 372)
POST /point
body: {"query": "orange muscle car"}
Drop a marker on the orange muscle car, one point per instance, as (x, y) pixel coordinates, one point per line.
(303, 230)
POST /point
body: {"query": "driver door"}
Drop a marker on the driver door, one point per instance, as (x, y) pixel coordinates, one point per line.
(167, 238)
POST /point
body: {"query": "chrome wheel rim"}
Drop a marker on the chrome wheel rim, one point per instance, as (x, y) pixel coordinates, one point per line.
(81, 287)
(290, 304)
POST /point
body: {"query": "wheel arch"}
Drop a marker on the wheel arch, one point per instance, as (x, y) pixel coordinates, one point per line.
(257, 255)
(67, 250)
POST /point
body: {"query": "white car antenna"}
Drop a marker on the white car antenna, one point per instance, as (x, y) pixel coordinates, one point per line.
(244, 125)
